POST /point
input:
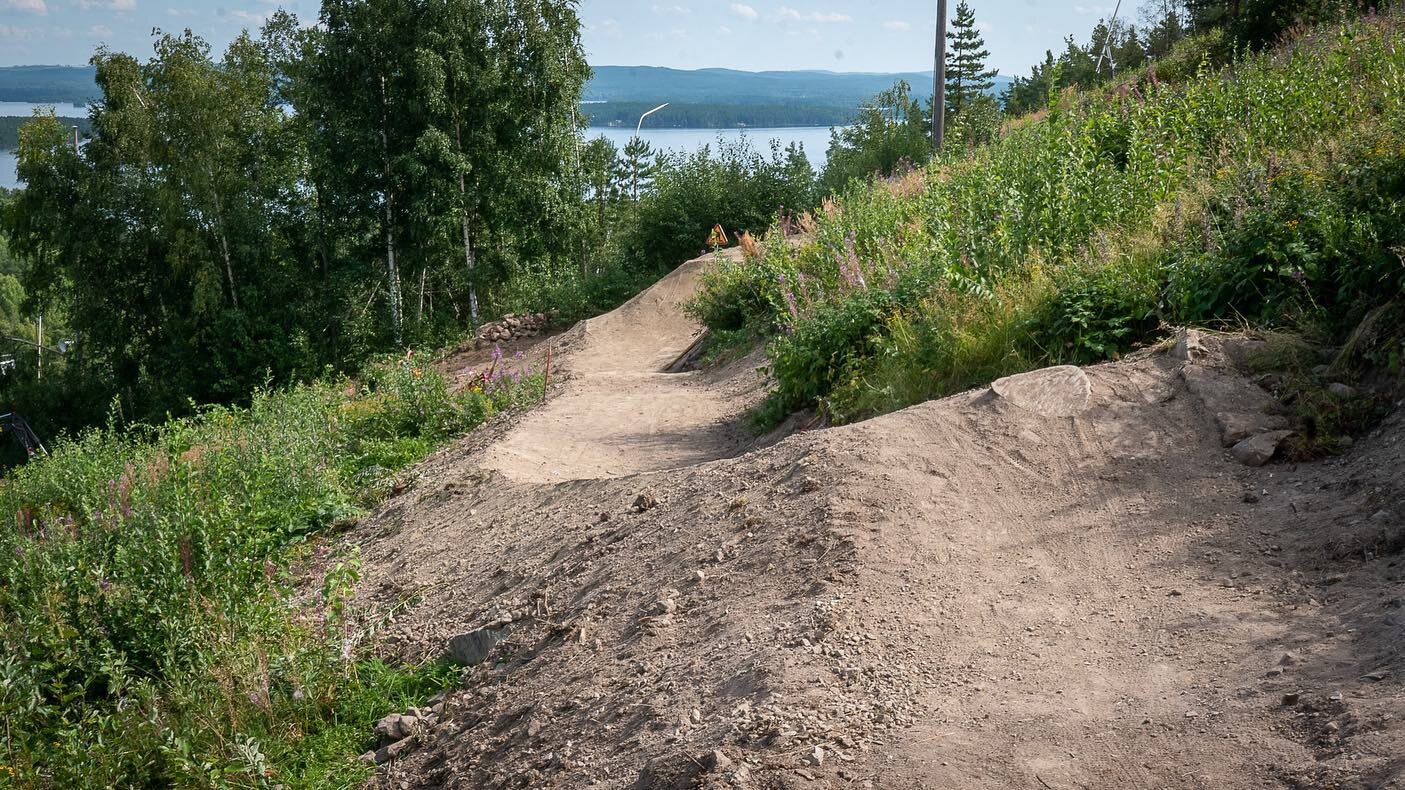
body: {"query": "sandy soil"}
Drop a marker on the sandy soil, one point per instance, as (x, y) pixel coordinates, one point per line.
(1077, 588)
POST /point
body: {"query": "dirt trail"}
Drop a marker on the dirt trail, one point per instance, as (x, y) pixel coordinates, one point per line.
(623, 413)
(1062, 582)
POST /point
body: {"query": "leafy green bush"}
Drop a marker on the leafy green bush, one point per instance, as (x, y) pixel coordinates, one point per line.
(733, 186)
(1270, 192)
(149, 632)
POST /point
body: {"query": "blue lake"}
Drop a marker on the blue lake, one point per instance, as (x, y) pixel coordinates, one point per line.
(815, 139)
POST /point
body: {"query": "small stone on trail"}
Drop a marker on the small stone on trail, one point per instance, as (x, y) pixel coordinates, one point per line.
(1336, 696)
(1251, 497)
(1340, 390)
(392, 728)
(645, 502)
(387, 753)
(1287, 660)
(1190, 344)
(817, 757)
(1257, 450)
(717, 761)
(1290, 699)
(471, 648)
(1174, 593)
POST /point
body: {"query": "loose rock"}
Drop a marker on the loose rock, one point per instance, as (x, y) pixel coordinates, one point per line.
(1257, 450)
(471, 648)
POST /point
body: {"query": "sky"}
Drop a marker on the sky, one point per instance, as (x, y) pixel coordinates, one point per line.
(752, 35)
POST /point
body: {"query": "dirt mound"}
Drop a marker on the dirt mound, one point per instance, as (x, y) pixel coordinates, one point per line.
(967, 593)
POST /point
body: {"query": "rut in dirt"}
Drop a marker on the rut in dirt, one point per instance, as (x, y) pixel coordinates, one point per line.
(1064, 581)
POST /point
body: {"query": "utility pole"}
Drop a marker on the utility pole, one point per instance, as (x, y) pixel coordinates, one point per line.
(939, 82)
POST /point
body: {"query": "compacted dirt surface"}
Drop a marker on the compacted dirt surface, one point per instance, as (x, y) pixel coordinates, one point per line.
(1063, 581)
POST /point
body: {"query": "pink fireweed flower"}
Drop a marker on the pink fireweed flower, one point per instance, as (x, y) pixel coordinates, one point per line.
(789, 296)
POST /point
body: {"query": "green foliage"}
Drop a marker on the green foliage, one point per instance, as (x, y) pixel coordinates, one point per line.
(206, 240)
(734, 186)
(967, 78)
(10, 129)
(1270, 193)
(150, 631)
(890, 133)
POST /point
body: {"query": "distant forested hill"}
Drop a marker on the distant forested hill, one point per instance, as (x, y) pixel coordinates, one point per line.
(617, 95)
(73, 84)
(715, 98)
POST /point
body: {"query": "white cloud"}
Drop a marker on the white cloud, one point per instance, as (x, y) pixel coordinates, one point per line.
(252, 17)
(1092, 9)
(107, 5)
(609, 27)
(28, 6)
(745, 11)
(788, 14)
(897, 25)
(670, 10)
(178, 12)
(12, 32)
(99, 31)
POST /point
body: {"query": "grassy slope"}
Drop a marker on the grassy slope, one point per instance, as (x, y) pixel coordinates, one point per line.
(151, 629)
(1269, 193)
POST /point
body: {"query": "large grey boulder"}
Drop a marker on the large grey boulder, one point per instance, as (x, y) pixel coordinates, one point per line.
(1061, 391)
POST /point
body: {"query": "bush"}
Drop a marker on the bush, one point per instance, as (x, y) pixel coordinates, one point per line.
(735, 187)
(1270, 193)
(150, 580)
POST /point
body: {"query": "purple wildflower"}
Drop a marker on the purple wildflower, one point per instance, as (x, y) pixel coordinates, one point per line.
(789, 299)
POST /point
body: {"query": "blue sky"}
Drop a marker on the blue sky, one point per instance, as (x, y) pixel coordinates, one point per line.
(842, 35)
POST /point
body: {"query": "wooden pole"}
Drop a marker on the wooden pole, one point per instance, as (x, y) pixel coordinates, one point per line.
(939, 81)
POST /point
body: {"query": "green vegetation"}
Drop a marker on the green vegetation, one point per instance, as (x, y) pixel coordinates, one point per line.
(1269, 193)
(166, 620)
(10, 129)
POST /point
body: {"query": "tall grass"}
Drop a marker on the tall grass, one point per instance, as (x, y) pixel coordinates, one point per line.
(1268, 191)
(155, 628)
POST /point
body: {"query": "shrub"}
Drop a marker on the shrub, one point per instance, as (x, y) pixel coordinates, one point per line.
(734, 186)
(1269, 192)
(149, 631)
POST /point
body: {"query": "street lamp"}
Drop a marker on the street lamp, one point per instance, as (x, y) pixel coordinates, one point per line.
(646, 115)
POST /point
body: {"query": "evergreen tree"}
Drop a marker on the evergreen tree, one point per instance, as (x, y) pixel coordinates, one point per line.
(1027, 94)
(966, 74)
(637, 166)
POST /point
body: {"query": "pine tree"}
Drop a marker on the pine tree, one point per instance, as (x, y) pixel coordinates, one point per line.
(967, 78)
(638, 166)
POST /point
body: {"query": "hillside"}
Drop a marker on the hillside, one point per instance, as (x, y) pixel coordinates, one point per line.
(1062, 581)
(72, 84)
(716, 98)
